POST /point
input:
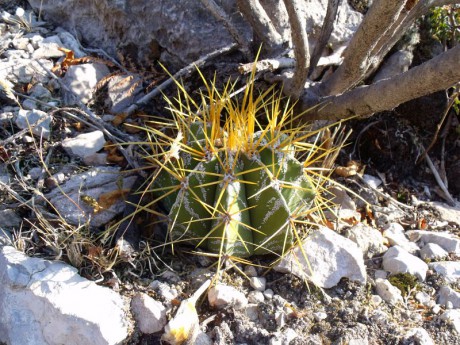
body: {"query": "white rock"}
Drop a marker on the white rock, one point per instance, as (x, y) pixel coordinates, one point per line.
(49, 48)
(47, 302)
(447, 241)
(255, 296)
(368, 239)
(150, 315)
(258, 283)
(395, 64)
(432, 251)
(419, 336)
(372, 181)
(84, 144)
(320, 316)
(397, 260)
(69, 42)
(221, 296)
(81, 80)
(164, 290)
(396, 237)
(330, 257)
(389, 293)
(447, 294)
(376, 299)
(40, 119)
(424, 299)
(452, 317)
(448, 213)
(450, 270)
(436, 309)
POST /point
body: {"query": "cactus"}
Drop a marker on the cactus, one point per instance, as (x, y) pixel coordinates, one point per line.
(228, 172)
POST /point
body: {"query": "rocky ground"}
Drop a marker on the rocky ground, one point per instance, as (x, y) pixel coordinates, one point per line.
(389, 273)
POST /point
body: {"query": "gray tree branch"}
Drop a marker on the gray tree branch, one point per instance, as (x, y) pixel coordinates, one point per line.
(439, 73)
(294, 87)
(357, 56)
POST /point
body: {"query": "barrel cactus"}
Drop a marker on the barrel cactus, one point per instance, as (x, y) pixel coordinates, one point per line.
(229, 175)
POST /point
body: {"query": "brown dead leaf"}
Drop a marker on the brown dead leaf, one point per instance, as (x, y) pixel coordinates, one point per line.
(108, 199)
(119, 119)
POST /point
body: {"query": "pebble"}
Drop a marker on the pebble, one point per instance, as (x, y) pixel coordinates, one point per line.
(268, 293)
(436, 309)
(26, 118)
(448, 295)
(397, 260)
(433, 251)
(447, 241)
(164, 290)
(389, 293)
(380, 274)
(376, 299)
(250, 271)
(449, 270)
(84, 144)
(150, 315)
(221, 296)
(283, 338)
(320, 316)
(396, 237)
(418, 336)
(252, 312)
(368, 239)
(258, 283)
(424, 299)
(256, 297)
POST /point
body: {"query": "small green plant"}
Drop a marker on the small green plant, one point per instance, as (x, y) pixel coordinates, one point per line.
(236, 177)
(405, 282)
(444, 24)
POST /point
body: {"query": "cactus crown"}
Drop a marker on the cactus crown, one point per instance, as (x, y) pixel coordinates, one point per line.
(235, 177)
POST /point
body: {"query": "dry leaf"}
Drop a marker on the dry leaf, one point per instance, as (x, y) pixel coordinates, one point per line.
(108, 199)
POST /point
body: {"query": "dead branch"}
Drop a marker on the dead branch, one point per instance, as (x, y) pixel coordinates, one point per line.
(439, 73)
(326, 30)
(294, 87)
(261, 23)
(356, 58)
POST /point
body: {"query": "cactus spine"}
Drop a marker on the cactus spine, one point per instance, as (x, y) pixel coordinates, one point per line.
(228, 173)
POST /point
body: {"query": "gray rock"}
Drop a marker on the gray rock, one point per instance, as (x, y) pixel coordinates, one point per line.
(81, 81)
(69, 42)
(164, 291)
(418, 336)
(29, 104)
(75, 206)
(448, 213)
(9, 219)
(389, 293)
(40, 92)
(424, 299)
(285, 337)
(432, 251)
(23, 70)
(150, 315)
(450, 270)
(368, 239)
(46, 302)
(255, 297)
(85, 144)
(250, 271)
(396, 237)
(6, 238)
(447, 241)
(268, 294)
(182, 31)
(452, 317)
(40, 119)
(221, 296)
(330, 257)
(399, 62)
(4, 175)
(397, 260)
(447, 294)
(252, 312)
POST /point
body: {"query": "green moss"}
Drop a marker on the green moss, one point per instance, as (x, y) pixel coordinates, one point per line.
(404, 282)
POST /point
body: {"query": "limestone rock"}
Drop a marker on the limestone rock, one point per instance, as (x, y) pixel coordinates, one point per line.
(81, 81)
(150, 315)
(389, 293)
(368, 239)
(418, 336)
(330, 257)
(447, 241)
(45, 302)
(221, 296)
(85, 144)
(395, 235)
(432, 251)
(397, 260)
(450, 270)
(447, 294)
(41, 120)
(452, 317)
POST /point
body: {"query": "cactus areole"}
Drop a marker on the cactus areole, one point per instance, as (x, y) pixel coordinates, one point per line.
(228, 175)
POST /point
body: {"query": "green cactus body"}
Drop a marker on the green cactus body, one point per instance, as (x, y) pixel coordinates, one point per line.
(234, 202)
